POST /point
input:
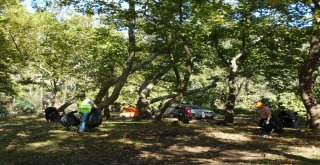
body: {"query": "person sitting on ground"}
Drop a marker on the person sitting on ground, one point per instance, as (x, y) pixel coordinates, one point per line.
(265, 118)
(84, 108)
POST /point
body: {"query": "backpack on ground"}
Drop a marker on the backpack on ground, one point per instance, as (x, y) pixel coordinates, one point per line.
(286, 118)
(52, 114)
(276, 124)
(70, 119)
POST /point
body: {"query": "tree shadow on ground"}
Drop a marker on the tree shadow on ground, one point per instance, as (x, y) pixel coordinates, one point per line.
(34, 141)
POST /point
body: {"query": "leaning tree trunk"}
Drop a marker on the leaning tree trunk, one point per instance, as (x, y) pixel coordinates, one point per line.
(165, 106)
(181, 84)
(306, 79)
(145, 89)
(126, 72)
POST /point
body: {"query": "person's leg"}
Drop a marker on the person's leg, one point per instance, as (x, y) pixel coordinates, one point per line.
(263, 126)
(261, 123)
(269, 127)
(83, 119)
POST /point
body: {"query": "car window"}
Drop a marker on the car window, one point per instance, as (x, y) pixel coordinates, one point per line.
(196, 107)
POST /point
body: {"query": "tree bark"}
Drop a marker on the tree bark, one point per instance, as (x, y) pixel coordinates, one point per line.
(146, 88)
(129, 64)
(306, 79)
(165, 106)
(306, 82)
(64, 106)
(229, 111)
(104, 90)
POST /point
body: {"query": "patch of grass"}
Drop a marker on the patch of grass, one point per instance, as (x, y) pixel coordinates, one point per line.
(30, 140)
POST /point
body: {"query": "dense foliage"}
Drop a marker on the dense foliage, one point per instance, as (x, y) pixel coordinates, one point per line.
(135, 51)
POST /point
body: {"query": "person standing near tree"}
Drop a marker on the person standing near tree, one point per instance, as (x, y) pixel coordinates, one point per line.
(84, 108)
(265, 118)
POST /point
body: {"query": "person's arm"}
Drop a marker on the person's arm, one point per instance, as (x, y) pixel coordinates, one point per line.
(93, 104)
(269, 115)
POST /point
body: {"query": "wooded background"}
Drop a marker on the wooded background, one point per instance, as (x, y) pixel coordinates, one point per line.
(218, 54)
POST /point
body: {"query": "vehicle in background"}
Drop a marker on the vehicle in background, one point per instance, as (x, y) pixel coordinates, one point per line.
(198, 112)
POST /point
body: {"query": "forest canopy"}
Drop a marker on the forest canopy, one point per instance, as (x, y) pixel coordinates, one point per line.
(223, 55)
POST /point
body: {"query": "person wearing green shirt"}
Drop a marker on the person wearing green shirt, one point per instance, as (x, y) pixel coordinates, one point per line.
(84, 108)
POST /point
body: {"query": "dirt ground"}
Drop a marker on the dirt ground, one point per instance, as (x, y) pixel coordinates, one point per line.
(31, 140)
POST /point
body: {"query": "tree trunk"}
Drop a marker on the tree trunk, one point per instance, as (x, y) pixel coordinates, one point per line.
(229, 112)
(64, 106)
(306, 82)
(54, 91)
(129, 64)
(104, 90)
(306, 79)
(181, 83)
(165, 106)
(106, 112)
(146, 88)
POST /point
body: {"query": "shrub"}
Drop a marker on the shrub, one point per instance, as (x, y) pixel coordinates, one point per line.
(3, 112)
(24, 106)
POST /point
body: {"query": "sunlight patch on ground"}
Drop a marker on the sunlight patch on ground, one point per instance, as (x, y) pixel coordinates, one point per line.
(10, 124)
(308, 152)
(57, 131)
(11, 147)
(160, 157)
(206, 161)
(182, 149)
(136, 144)
(102, 129)
(25, 117)
(62, 134)
(37, 145)
(229, 136)
(230, 155)
(124, 140)
(150, 155)
(21, 134)
(103, 135)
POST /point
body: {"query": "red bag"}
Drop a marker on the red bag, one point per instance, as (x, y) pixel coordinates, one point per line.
(188, 112)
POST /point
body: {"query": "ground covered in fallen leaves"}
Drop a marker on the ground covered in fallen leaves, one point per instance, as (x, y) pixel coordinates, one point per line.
(31, 140)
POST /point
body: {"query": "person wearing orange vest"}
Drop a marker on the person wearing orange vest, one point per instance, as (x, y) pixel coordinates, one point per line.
(84, 108)
(265, 118)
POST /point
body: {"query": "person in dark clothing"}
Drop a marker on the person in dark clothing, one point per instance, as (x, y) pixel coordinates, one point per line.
(184, 114)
